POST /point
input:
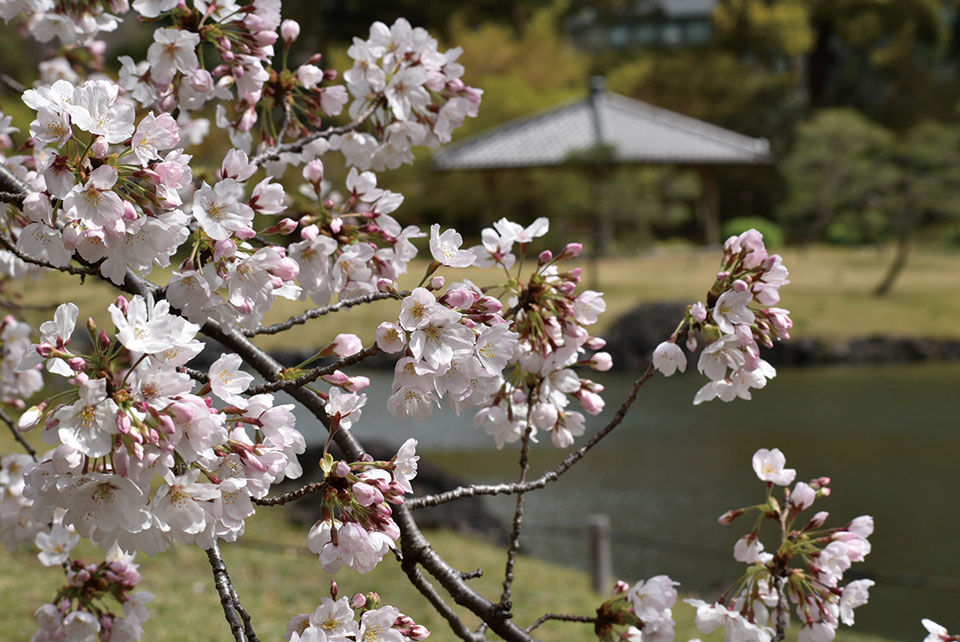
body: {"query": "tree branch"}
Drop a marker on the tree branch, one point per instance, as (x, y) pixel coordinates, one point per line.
(69, 269)
(508, 575)
(312, 375)
(16, 434)
(563, 618)
(279, 500)
(297, 146)
(319, 312)
(546, 478)
(226, 592)
(427, 589)
(12, 83)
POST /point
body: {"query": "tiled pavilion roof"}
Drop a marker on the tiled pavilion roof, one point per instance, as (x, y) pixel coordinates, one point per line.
(633, 132)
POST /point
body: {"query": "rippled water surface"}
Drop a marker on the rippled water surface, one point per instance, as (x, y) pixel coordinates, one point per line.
(888, 436)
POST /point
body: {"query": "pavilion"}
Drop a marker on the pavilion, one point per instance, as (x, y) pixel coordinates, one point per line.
(604, 130)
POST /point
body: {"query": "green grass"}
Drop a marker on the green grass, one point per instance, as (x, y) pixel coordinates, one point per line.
(829, 297)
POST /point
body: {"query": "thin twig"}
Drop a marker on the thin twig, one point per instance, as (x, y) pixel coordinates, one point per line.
(225, 590)
(279, 500)
(319, 312)
(314, 374)
(10, 247)
(16, 434)
(297, 146)
(563, 618)
(12, 83)
(546, 478)
(508, 575)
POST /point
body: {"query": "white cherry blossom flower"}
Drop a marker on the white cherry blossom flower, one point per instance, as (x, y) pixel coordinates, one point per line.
(445, 248)
(769, 467)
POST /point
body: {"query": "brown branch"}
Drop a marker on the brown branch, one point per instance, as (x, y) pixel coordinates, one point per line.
(319, 312)
(289, 385)
(5, 418)
(563, 618)
(225, 589)
(297, 146)
(303, 491)
(546, 478)
(69, 269)
(427, 589)
(508, 575)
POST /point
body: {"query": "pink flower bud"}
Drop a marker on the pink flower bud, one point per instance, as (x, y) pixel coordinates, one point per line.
(490, 304)
(620, 587)
(729, 516)
(358, 601)
(286, 226)
(366, 495)
(338, 378)
(99, 148)
(289, 30)
(572, 250)
(344, 345)
(818, 520)
(77, 364)
(591, 402)
(124, 424)
(740, 286)
(545, 257)
(313, 172)
(384, 285)
(334, 590)
(224, 248)
(356, 384)
(341, 469)
(287, 269)
(458, 298)
(121, 303)
(601, 361)
(698, 311)
(723, 276)
(691, 343)
(437, 282)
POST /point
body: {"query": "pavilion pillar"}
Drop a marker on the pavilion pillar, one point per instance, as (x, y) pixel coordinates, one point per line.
(708, 207)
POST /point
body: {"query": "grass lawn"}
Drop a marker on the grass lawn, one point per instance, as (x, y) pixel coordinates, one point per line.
(829, 297)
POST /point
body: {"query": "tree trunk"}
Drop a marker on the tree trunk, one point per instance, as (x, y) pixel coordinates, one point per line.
(899, 261)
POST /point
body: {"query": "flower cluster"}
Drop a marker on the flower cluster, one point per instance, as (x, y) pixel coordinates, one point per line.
(513, 364)
(416, 90)
(643, 611)
(17, 524)
(130, 417)
(83, 610)
(358, 618)
(74, 23)
(91, 197)
(356, 528)
(16, 384)
(813, 588)
(736, 320)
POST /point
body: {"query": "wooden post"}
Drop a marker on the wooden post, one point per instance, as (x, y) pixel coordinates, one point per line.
(598, 530)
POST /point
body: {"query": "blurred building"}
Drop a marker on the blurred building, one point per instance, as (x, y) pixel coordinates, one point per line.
(645, 23)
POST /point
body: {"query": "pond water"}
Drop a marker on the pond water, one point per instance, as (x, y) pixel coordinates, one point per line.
(888, 436)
